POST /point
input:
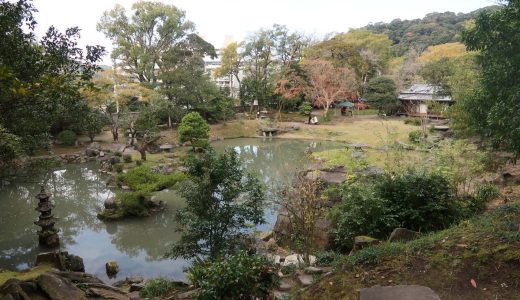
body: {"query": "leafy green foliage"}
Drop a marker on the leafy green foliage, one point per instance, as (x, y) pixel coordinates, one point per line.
(438, 73)
(362, 212)
(222, 200)
(10, 146)
(195, 130)
(483, 195)
(127, 158)
(240, 276)
(133, 204)
(497, 103)
(417, 136)
(67, 137)
(93, 123)
(418, 34)
(423, 201)
(41, 79)
(381, 93)
(417, 200)
(142, 178)
(156, 287)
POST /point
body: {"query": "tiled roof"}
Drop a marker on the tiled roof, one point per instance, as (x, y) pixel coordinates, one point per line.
(423, 92)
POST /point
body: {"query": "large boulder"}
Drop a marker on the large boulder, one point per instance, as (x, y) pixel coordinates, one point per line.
(399, 292)
(111, 203)
(56, 259)
(74, 263)
(89, 152)
(403, 235)
(59, 288)
(107, 292)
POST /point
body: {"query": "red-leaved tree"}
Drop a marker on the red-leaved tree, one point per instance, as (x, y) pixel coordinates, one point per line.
(329, 84)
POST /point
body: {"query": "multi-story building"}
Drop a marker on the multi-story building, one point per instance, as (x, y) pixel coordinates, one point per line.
(225, 82)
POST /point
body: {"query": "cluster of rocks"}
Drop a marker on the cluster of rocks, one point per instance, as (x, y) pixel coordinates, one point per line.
(66, 281)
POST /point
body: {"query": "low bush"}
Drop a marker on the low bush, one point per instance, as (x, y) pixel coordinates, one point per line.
(118, 153)
(67, 137)
(127, 158)
(421, 200)
(327, 258)
(118, 167)
(143, 178)
(413, 121)
(133, 204)
(240, 276)
(417, 200)
(156, 287)
(416, 136)
(362, 212)
(483, 195)
(138, 162)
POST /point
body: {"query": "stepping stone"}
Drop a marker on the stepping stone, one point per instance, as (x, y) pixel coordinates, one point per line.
(399, 292)
(305, 279)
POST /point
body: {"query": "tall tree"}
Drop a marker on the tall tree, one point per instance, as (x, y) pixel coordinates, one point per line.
(382, 93)
(329, 84)
(497, 103)
(40, 80)
(364, 52)
(140, 41)
(230, 59)
(222, 199)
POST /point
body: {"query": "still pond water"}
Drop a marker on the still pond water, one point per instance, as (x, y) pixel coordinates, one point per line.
(138, 245)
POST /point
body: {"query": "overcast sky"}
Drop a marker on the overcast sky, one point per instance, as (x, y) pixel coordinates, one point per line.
(221, 21)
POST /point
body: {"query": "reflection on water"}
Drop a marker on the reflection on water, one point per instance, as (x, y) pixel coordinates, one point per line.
(138, 245)
(274, 161)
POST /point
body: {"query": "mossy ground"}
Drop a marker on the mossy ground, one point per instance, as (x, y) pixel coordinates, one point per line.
(485, 249)
(24, 275)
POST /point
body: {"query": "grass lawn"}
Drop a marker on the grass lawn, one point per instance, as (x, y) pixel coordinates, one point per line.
(372, 131)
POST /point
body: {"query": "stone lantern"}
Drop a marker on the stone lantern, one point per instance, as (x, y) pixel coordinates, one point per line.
(48, 235)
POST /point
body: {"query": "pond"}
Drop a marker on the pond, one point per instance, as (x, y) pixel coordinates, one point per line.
(138, 245)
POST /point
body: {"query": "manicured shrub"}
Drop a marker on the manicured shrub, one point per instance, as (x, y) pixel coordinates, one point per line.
(194, 129)
(143, 178)
(67, 137)
(127, 158)
(134, 204)
(240, 276)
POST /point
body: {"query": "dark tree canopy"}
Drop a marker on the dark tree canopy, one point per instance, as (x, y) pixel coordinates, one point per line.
(222, 199)
(433, 29)
(40, 80)
(495, 108)
(381, 93)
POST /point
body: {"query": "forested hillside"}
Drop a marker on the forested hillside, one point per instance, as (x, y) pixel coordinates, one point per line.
(418, 34)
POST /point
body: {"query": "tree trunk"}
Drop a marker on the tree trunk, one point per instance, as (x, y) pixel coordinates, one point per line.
(91, 137)
(115, 134)
(142, 151)
(169, 121)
